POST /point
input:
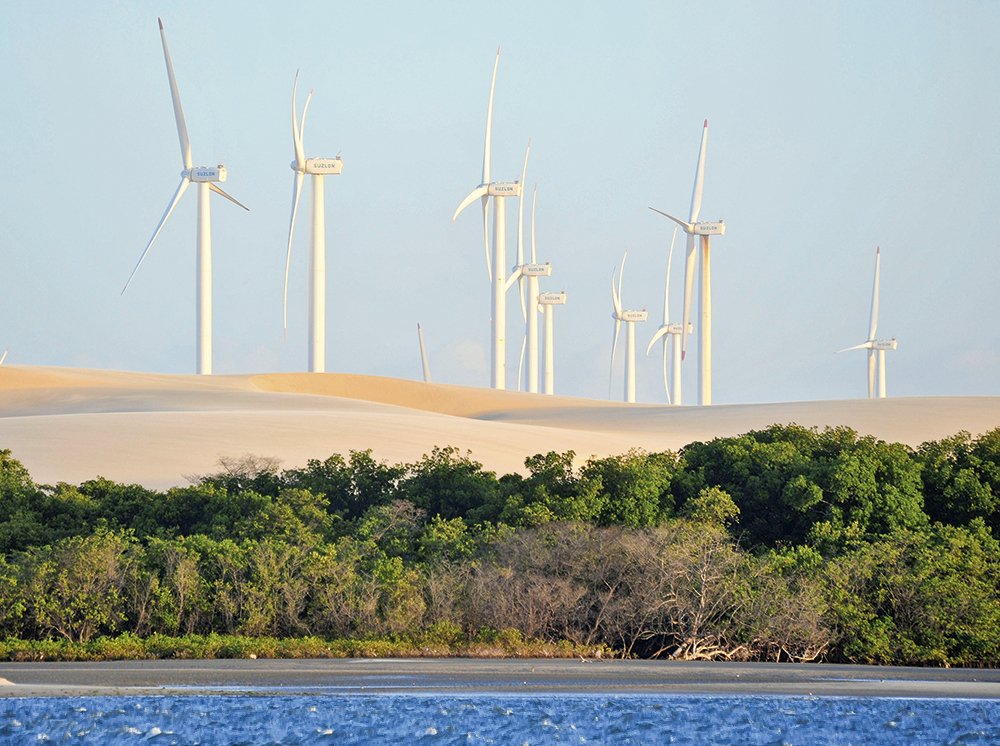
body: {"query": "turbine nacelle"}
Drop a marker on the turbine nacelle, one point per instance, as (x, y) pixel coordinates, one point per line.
(537, 270)
(705, 228)
(714, 228)
(320, 166)
(504, 189)
(552, 298)
(884, 344)
(631, 316)
(201, 174)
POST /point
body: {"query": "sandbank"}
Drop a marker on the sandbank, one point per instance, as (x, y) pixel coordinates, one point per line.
(471, 676)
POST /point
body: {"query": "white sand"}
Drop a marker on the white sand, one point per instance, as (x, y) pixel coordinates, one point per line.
(71, 425)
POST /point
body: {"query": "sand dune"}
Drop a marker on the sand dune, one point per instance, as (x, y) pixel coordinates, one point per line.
(72, 425)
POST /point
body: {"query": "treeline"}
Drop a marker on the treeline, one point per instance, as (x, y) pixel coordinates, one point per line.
(785, 543)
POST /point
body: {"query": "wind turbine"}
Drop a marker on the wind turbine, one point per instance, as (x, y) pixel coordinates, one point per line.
(630, 318)
(671, 334)
(530, 273)
(423, 355)
(3, 357)
(873, 345)
(208, 179)
(692, 227)
(547, 301)
(498, 190)
(318, 168)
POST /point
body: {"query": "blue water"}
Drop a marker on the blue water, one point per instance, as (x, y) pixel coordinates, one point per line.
(497, 719)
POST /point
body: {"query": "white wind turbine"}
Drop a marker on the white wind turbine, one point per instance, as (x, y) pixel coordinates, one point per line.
(692, 227)
(495, 270)
(630, 318)
(208, 179)
(423, 355)
(529, 273)
(318, 168)
(875, 345)
(547, 301)
(671, 335)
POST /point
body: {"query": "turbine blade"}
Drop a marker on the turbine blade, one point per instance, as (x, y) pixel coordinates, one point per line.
(871, 374)
(3, 357)
(699, 176)
(423, 355)
(302, 126)
(666, 282)
(296, 193)
(621, 276)
(615, 300)
(175, 95)
(182, 187)
(486, 236)
(520, 363)
(873, 318)
(300, 157)
(478, 192)
(614, 349)
(514, 277)
(659, 333)
(689, 263)
(863, 346)
(489, 121)
(520, 208)
(218, 190)
(666, 380)
(534, 199)
(521, 292)
(688, 227)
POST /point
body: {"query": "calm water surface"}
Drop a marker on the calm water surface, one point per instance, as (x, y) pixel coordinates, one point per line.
(497, 719)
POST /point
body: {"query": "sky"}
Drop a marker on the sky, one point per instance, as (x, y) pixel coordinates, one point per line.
(834, 128)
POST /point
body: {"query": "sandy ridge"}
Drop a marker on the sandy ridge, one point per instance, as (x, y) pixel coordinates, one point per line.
(71, 425)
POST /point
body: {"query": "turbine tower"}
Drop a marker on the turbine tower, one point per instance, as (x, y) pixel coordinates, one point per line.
(208, 179)
(423, 355)
(879, 346)
(547, 301)
(318, 168)
(498, 190)
(529, 273)
(630, 318)
(671, 335)
(705, 230)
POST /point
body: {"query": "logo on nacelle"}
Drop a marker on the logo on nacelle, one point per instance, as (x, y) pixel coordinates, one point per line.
(207, 173)
(716, 228)
(537, 270)
(504, 189)
(324, 166)
(635, 315)
(552, 299)
(884, 344)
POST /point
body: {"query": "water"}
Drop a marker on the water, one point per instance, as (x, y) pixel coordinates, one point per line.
(497, 719)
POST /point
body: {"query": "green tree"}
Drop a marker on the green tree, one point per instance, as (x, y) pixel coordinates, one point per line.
(961, 477)
(787, 480)
(351, 486)
(448, 484)
(75, 587)
(634, 488)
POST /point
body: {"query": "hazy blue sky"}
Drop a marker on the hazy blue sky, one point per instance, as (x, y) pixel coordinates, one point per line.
(834, 127)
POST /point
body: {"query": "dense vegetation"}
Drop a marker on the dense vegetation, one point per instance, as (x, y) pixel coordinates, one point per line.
(782, 544)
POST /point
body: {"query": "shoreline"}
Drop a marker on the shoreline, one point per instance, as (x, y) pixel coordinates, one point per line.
(394, 676)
